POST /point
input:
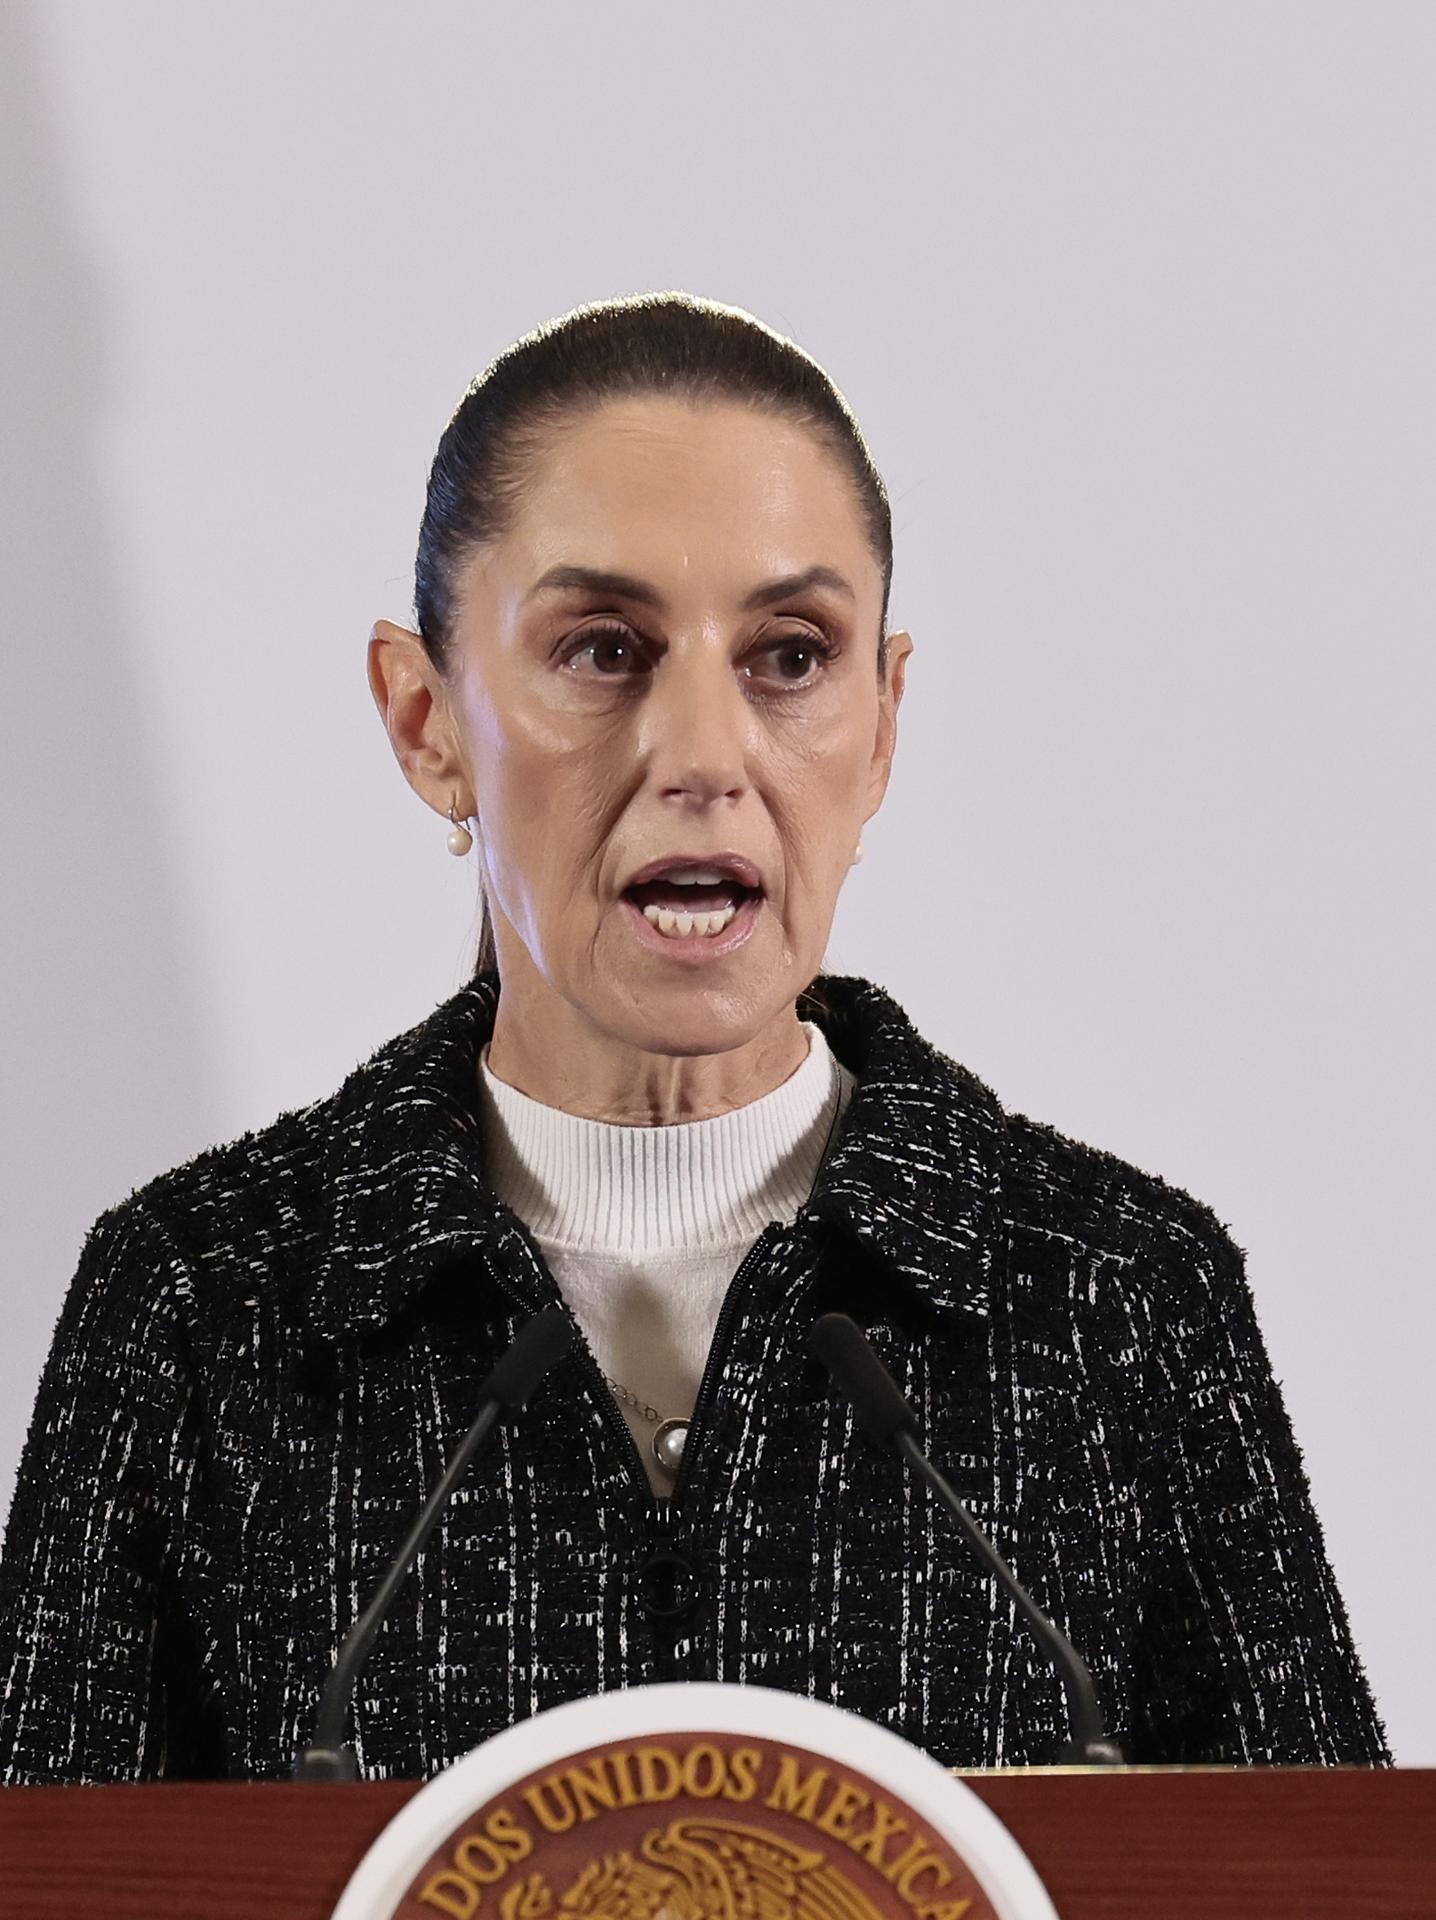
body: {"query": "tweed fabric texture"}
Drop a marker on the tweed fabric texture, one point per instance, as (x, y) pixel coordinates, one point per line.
(266, 1356)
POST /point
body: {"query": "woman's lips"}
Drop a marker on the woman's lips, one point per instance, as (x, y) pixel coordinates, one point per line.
(692, 949)
(734, 864)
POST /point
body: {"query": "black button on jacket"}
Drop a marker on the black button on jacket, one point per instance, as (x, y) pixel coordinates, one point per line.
(266, 1356)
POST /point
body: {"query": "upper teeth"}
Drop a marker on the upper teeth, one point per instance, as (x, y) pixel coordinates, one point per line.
(696, 876)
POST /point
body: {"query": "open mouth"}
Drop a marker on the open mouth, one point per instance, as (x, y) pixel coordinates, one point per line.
(679, 911)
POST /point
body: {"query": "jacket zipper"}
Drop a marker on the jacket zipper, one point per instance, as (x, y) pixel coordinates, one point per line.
(608, 1407)
(733, 1300)
(659, 1512)
(659, 1507)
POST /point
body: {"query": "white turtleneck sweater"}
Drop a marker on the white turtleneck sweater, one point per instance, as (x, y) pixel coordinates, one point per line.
(643, 1227)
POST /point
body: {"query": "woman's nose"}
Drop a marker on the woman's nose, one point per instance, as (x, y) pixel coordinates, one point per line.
(696, 728)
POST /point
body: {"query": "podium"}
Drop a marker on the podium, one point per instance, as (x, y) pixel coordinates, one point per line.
(1134, 1844)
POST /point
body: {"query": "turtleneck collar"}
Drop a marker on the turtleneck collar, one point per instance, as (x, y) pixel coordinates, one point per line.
(913, 1181)
(696, 1186)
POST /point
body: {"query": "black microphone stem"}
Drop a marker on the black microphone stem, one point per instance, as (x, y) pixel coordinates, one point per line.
(883, 1413)
(539, 1344)
(326, 1757)
(1088, 1745)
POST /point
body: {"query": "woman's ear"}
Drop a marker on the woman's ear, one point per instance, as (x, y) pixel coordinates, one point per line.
(413, 703)
(885, 734)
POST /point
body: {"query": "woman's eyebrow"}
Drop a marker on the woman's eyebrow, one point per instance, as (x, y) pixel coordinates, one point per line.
(625, 586)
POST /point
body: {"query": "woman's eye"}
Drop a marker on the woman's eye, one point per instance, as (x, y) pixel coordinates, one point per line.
(605, 642)
(600, 640)
(806, 646)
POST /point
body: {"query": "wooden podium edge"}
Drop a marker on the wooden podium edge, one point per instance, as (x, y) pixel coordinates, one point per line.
(1151, 1843)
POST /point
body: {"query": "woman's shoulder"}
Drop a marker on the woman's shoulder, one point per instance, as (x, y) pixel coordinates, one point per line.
(1138, 1231)
(1146, 1268)
(263, 1199)
(199, 1225)
(1064, 1203)
(1079, 1187)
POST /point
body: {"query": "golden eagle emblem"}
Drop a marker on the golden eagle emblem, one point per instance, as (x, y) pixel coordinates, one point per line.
(698, 1870)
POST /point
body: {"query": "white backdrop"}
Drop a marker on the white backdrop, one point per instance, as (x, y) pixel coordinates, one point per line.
(1135, 303)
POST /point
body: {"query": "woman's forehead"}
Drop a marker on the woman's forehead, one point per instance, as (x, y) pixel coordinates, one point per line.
(657, 472)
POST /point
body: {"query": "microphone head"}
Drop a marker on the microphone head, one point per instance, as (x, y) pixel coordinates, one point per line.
(539, 1344)
(876, 1400)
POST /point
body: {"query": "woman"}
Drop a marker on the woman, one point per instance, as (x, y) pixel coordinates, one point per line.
(651, 689)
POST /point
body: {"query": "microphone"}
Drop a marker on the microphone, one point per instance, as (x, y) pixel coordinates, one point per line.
(885, 1416)
(541, 1342)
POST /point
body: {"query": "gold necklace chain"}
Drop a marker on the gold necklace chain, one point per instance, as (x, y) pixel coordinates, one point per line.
(668, 1438)
(631, 1399)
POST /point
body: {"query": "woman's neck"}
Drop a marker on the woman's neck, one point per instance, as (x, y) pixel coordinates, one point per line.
(666, 1191)
(691, 1056)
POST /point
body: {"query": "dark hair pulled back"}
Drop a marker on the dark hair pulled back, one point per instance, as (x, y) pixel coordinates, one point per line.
(661, 343)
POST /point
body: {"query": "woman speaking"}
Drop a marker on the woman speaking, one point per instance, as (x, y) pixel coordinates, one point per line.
(651, 693)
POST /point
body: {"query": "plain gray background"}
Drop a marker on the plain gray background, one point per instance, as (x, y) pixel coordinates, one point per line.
(1135, 304)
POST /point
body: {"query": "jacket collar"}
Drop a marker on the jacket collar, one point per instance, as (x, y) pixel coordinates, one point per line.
(913, 1178)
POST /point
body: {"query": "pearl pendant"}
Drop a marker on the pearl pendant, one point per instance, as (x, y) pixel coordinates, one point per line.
(460, 841)
(668, 1443)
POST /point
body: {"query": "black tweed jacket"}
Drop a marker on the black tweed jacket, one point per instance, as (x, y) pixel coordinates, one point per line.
(266, 1355)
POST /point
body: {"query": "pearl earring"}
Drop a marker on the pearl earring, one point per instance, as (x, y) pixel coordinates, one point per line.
(857, 855)
(460, 839)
